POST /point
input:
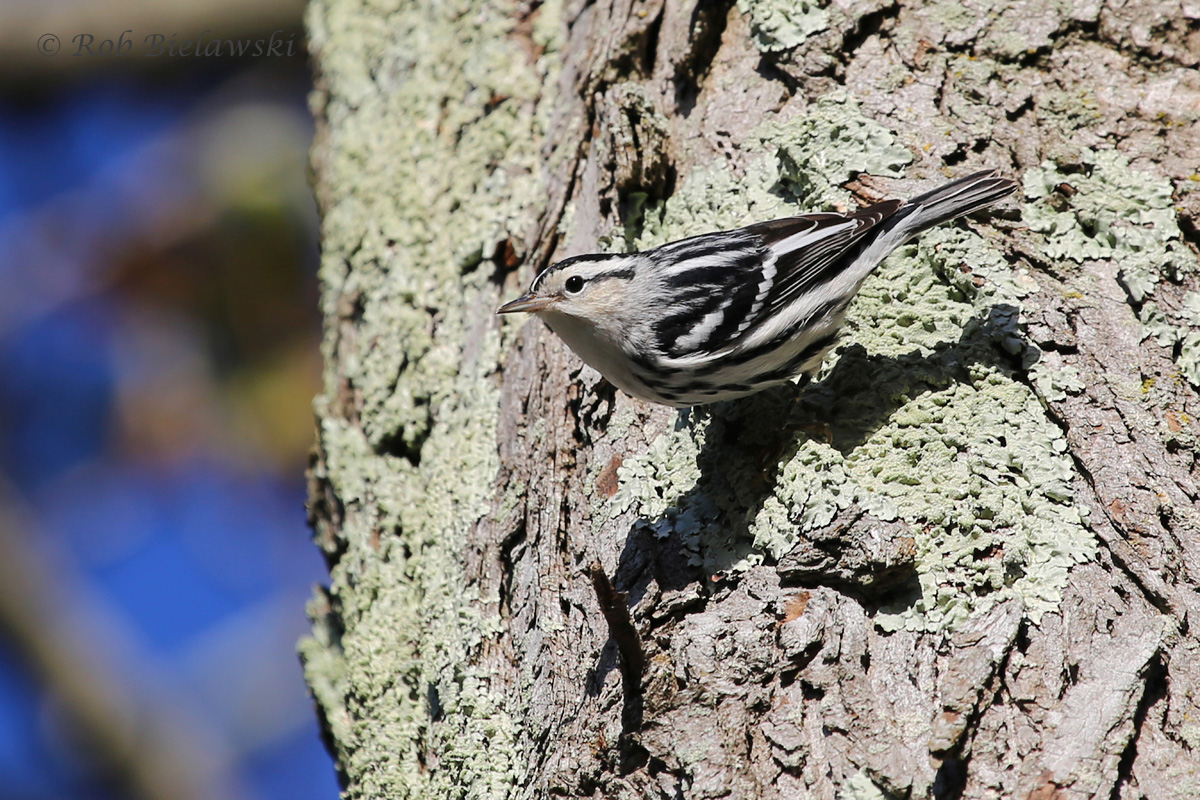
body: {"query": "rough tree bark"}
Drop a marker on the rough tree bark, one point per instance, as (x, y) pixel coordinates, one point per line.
(962, 563)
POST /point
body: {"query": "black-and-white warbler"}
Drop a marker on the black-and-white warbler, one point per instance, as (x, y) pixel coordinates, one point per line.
(724, 315)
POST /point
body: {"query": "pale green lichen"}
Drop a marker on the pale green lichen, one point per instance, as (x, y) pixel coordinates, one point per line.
(712, 198)
(1189, 342)
(813, 488)
(931, 425)
(1071, 110)
(778, 25)
(1055, 385)
(1003, 30)
(652, 482)
(814, 153)
(1191, 308)
(827, 145)
(1188, 360)
(1156, 325)
(978, 466)
(432, 157)
(975, 268)
(1168, 334)
(860, 787)
(956, 16)
(965, 452)
(1114, 212)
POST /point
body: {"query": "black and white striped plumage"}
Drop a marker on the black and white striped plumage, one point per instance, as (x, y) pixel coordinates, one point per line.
(723, 315)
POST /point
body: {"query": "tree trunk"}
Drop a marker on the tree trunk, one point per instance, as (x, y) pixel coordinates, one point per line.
(962, 563)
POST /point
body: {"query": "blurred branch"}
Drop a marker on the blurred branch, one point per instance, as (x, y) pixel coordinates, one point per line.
(78, 650)
(25, 25)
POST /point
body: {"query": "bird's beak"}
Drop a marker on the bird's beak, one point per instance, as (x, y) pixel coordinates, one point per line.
(525, 303)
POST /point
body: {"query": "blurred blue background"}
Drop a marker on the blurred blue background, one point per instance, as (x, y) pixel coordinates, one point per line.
(158, 355)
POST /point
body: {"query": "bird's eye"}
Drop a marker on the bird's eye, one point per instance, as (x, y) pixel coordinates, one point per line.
(574, 284)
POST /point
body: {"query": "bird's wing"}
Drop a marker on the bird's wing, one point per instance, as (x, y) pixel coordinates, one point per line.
(715, 283)
(813, 249)
(723, 286)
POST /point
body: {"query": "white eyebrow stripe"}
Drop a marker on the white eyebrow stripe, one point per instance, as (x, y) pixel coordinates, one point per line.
(598, 269)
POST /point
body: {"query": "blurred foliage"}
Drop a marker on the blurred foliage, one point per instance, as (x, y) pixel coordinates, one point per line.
(158, 355)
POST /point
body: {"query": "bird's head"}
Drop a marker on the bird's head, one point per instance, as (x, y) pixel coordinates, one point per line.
(591, 288)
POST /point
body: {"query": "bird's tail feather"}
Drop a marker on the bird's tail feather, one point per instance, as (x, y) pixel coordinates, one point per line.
(952, 200)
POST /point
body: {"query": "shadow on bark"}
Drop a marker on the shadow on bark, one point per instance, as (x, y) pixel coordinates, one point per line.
(746, 448)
